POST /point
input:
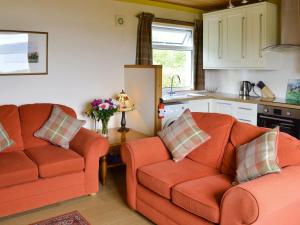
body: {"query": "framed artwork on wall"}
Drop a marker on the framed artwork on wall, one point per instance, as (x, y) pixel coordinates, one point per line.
(23, 53)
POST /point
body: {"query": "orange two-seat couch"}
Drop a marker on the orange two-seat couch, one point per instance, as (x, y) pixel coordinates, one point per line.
(34, 173)
(199, 190)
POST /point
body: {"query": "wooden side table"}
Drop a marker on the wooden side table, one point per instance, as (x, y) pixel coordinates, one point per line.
(116, 139)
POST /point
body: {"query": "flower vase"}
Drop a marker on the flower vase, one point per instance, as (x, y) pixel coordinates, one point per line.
(104, 130)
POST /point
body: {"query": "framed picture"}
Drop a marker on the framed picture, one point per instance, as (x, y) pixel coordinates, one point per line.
(293, 90)
(23, 53)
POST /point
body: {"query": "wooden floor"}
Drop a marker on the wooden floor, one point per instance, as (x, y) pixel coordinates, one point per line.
(108, 207)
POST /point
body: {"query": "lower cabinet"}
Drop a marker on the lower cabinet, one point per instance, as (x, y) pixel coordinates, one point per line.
(244, 112)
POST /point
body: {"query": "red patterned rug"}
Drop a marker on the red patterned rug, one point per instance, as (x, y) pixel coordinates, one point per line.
(72, 218)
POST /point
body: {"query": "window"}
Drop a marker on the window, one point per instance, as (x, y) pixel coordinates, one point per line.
(173, 48)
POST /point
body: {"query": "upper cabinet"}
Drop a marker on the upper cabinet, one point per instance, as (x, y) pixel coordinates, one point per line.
(235, 38)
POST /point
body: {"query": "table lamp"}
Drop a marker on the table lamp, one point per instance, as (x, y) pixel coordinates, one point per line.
(125, 105)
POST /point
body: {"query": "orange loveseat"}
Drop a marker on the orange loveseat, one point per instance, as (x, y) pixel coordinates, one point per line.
(199, 190)
(34, 173)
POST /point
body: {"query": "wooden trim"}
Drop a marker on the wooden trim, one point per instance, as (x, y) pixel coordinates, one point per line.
(143, 66)
(176, 22)
(158, 96)
(47, 44)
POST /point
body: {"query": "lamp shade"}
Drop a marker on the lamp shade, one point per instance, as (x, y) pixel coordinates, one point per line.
(125, 103)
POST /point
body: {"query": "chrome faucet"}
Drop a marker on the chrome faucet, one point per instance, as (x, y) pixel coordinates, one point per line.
(171, 92)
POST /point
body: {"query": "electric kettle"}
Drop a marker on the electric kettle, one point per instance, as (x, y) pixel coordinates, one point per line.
(245, 88)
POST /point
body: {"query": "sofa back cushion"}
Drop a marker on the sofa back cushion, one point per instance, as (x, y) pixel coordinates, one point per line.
(32, 117)
(9, 118)
(218, 126)
(288, 147)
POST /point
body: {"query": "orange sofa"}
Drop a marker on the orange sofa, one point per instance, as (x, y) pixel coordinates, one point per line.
(199, 190)
(34, 173)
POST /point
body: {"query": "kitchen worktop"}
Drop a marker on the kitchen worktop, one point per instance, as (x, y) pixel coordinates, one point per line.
(194, 95)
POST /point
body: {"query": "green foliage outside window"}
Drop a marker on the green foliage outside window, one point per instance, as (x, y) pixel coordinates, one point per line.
(174, 63)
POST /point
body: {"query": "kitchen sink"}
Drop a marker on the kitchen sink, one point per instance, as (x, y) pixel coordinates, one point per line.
(183, 95)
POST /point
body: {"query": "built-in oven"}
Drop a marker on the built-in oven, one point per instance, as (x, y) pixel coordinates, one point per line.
(288, 120)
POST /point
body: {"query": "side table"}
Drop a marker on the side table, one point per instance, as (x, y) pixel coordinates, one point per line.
(116, 139)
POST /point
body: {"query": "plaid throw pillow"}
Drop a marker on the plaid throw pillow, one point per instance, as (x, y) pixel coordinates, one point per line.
(183, 136)
(258, 157)
(60, 128)
(5, 141)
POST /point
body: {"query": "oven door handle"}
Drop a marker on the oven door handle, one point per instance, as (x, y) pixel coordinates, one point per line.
(278, 119)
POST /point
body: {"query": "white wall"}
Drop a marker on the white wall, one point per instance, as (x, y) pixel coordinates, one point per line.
(86, 50)
(228, 81)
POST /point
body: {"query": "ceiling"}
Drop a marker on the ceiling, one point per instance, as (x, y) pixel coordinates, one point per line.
(201, 4)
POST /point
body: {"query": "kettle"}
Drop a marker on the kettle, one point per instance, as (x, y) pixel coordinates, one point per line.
(245, 88)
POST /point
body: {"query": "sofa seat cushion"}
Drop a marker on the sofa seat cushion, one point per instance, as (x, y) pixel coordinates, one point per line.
(16, 168)
(54, 161)
(202, 197)
(161, 177)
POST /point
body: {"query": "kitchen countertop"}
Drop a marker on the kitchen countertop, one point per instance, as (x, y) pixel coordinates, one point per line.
(230, 97)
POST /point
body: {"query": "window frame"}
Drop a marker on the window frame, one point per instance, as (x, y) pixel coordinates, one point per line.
(178, 48)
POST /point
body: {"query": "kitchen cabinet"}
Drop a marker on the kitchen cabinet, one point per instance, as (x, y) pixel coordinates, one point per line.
(213, 40)
(243, 112)
(235, 38)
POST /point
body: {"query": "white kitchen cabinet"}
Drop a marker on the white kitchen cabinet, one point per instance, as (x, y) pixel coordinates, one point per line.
(198, 105)
(221, 106)
(243, 112)
(239, 36)
(235, 37)
(213, 40)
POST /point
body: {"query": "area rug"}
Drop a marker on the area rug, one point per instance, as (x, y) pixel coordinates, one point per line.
(72, 218)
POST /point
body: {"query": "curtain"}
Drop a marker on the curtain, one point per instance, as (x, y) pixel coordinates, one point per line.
(144, 39)
(198, 54)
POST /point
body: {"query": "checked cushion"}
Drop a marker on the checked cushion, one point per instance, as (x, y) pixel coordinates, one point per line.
(183, 136)
(5, 141)
(60, 128)
(258, 157)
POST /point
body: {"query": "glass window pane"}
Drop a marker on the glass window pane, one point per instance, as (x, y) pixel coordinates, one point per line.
(175, 63)
(172, 36)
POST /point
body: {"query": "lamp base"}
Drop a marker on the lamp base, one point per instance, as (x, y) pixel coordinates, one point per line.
(123, 129)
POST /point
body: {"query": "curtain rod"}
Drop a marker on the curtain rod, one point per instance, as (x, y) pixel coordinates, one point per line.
(177, 22)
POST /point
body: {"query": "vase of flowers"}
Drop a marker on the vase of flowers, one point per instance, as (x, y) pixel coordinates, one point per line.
(102, 110)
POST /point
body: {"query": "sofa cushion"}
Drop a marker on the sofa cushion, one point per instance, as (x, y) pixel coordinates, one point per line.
(229, 160)
(183, 136)
(9, 118)
(203, 196)
(218, 126)
(288, 147)
(161, 177)
(54, 161)
(60, 128)
(32, 117)
(5, 140)
(16, 168)
(258, 157)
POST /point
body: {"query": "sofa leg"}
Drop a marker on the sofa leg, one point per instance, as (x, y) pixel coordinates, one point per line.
(93, 194)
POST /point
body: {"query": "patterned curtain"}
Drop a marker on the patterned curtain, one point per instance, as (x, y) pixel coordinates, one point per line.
(198, 54)
(144, 39)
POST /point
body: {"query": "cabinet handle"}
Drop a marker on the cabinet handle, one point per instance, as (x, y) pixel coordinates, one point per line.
(243, 108)
(260, 34)
(224, 103)
(244, 120)
(243, 36)
(220, 40)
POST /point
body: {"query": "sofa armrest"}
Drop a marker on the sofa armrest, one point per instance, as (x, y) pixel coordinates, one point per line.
(91, 146)
(265, 200)
(140, 153)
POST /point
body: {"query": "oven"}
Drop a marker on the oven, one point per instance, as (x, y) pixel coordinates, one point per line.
(288, 120)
